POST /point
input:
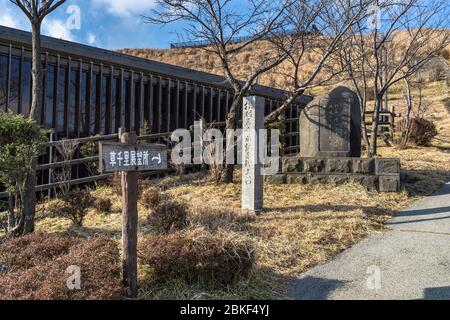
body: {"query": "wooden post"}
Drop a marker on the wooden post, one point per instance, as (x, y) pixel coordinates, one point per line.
(129, 222)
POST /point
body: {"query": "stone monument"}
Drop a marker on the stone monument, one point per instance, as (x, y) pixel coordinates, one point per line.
(330, 126)
(252, 179)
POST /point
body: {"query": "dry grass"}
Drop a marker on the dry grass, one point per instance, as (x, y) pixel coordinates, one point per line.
(244, 63)
(301, 227)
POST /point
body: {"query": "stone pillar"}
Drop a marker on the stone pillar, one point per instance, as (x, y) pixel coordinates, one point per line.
(252, 179)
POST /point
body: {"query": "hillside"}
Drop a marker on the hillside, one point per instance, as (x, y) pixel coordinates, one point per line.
(244, 62)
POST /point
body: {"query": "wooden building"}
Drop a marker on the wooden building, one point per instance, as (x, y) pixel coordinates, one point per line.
(90, 91)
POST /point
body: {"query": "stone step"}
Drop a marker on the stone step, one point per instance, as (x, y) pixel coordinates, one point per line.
(367, 166)
(381, 183)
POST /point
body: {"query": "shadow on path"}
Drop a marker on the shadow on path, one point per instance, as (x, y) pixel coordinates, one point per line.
(442, 293)
(313, 288)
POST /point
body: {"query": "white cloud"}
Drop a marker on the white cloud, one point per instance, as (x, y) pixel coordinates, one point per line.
(126, 8)
(57, 29)
(7, 20)
(12, 18)
(91, 38)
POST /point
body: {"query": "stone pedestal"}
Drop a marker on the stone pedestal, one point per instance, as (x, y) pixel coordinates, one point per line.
(330, 126)
(382, 174)
(252, 179)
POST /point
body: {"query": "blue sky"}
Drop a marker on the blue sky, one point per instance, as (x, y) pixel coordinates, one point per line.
(110, 24)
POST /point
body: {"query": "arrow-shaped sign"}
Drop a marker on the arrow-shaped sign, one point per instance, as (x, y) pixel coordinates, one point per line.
(158, 158)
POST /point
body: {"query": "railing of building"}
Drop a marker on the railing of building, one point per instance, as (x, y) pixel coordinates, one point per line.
(205, 43)
(90, 91)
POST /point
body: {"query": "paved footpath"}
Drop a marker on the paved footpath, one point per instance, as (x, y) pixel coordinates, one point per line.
(411, 261)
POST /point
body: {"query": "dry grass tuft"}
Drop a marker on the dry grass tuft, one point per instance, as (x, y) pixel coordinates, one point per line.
(150, 198)
(36, 268)
(168, 216)
(198, 256)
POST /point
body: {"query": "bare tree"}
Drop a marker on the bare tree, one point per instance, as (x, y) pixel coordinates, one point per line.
(416, 107)
(410, 34)
(314, 28)
(63, 177)
(36, 11)
(218, 23)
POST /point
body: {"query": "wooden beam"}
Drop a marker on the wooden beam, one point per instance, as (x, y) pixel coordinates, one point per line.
(78, 99)
(89, 81)
(109, 101)
(119, 102)
(56, 92)
(8, 81)
(19, 93)
(44, 91)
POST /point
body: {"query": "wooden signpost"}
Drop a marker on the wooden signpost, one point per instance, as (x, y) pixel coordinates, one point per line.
(129, 157)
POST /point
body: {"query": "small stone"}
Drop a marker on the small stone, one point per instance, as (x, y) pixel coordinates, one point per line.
(368, 181)
(338, 179)
(363, 166)
(338, 166)
(277, 179)
(314, 165)
(387, 166)
(297, 179)
(3, 268)
(292, 164)
(389, 184)
(318, 178)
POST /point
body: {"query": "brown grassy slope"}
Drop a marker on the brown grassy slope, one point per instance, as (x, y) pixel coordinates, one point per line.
(243, 64)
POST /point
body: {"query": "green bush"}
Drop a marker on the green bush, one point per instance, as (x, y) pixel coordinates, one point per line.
(21, 141)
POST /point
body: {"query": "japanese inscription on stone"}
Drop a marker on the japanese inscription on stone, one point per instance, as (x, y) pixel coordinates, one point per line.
(335, 126)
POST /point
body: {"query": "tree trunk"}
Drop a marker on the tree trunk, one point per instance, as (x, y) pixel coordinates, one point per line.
(406, 132)
(231, 124)
(29, 194)
(11, 213)
(36, 98)
(373, 149)
(364, 131)
(29, 201)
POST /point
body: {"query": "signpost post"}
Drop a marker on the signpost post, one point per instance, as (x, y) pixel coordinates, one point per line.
(129, 157)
